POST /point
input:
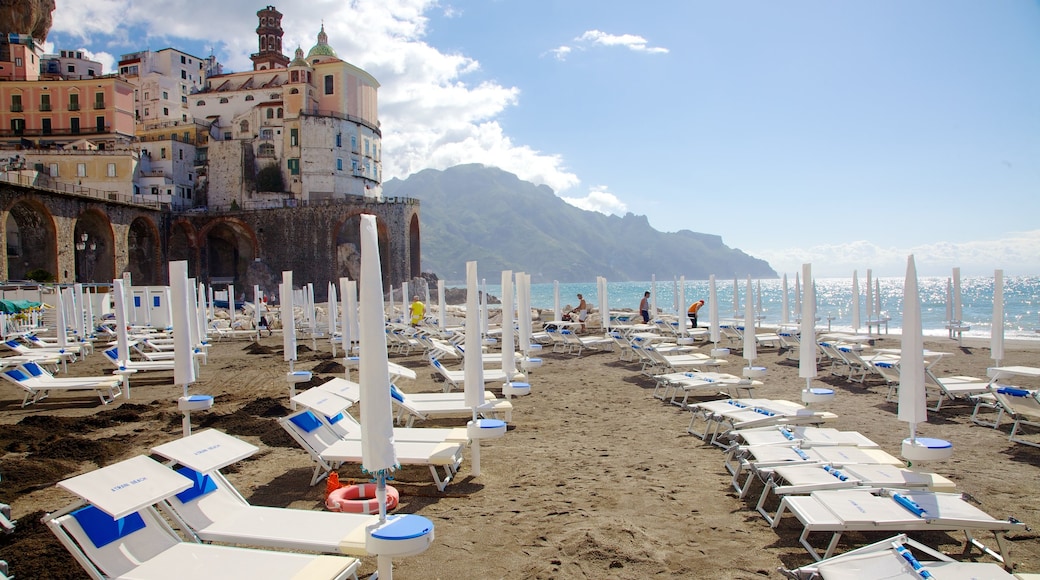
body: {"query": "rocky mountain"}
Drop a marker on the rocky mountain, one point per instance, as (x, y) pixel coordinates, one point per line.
(475, 212)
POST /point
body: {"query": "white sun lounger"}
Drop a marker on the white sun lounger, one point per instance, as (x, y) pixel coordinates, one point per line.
(39, 386)
(758, 459)
(214, 511)
(121, 535)
(112, 356)
(329, 451)
(727, 415)
(331, 410)
(839, 511)
(799, 479)
(892, 559)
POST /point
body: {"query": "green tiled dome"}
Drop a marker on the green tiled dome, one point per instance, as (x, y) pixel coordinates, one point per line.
(322, 48)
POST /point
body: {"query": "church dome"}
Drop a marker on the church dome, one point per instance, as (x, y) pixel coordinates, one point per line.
(322, 48)
(298, 59)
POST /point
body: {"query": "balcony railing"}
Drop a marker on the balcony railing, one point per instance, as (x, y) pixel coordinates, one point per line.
(73, 106)
(16, 108)
(98, 105)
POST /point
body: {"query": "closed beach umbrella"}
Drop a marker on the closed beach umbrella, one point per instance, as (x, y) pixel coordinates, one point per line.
(713, 312)
(523, 310)
(333, 307)
(912, 406)
(807, 331)
(377, 423)
(508, 346)
(797, 298)
(870, 298)
(957, 313)
(736, 298)
(877, 297)
(653, 297)
(62, 330)
(750, 352)
(344, 325)
(258, 303)
(556, 300)
(442, 313)
(784, 318)
(949, 301)
(183, 349)
(855, 301)
(122, 342)
(996, 341)
(474, 365)
(352, 311)
(404, 302)
(680, 313)
(288, 326)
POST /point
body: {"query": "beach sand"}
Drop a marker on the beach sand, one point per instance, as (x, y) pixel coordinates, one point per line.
(595, 478)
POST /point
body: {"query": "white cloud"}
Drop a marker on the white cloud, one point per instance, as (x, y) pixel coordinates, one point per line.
(1017, 254)
(561, 52)
(431, 116)
(629, 41)
(599, 199)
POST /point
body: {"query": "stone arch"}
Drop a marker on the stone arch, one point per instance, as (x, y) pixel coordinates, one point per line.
(144, 254)
(31, 239)
(228, 248)
(184, 245)
(348, 248)
(94, 242)
(414, 254)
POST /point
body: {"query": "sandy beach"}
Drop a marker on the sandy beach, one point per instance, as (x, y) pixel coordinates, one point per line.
(595, 478)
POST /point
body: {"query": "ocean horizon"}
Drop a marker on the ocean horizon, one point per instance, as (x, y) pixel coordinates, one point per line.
(833, 297)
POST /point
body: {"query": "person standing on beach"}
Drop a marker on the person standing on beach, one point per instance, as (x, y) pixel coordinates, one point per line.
(644, 307)
(418, 310)
(692, 312)
(582, 310)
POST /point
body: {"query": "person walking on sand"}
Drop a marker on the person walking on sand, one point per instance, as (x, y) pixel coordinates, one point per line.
(644, 307)
(692, 312)
(418, 311)
(582, 310)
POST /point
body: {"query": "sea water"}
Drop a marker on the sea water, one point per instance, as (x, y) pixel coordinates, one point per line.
(833, 299)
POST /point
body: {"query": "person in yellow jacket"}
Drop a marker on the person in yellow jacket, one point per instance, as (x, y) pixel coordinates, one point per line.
(692, 312)
(418, 310)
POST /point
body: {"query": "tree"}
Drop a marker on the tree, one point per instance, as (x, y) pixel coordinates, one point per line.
(270, 179)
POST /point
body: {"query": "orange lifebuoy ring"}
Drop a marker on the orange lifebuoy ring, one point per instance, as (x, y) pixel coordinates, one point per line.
(360, 499)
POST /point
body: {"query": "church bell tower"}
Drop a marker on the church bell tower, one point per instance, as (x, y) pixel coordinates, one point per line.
(269, 34)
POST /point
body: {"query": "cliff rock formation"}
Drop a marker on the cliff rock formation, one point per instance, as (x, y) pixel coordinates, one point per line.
(26, 17)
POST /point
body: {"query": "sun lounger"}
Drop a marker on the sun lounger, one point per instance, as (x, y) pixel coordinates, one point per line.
(784, 480)
(758, 460)
(214, 511)
(38, 384)
(329, 451)
(112, 356)
(806, 436)
(669, 386)
(839, 511)
(722, 416)
(1021, 405)
(119, 534)
(410, 409)
(456, 379)
(892, 559)
(331, 410)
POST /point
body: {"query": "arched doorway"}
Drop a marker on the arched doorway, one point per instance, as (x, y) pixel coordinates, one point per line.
(144, 255)
(415, 265)
(183, 246)
(31, 241)
(348, 249)
(95, 248)
(229, 250)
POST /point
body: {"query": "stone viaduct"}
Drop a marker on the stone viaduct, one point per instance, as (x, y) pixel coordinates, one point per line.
(81, 235)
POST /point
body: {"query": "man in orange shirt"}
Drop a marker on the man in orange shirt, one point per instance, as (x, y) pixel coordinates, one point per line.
(692, 312)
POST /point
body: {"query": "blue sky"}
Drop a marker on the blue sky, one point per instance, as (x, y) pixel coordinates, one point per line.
(846, 134)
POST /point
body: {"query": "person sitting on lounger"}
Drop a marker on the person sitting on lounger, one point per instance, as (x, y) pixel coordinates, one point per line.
(418, 310)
